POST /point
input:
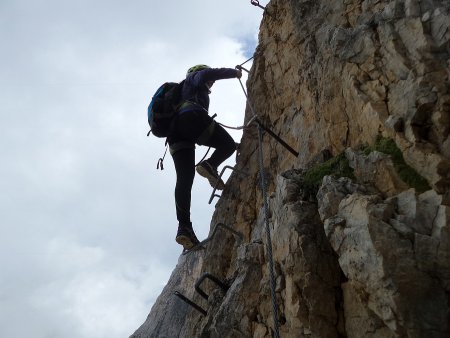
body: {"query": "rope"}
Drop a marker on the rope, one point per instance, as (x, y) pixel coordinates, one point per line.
(266, 217)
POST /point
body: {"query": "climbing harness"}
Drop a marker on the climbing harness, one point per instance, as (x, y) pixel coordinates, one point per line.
(160, 163)
(256, 3)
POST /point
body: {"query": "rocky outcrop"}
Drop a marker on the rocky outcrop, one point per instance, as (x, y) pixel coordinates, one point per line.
(368, 255)
(342, 72)
(395, 260)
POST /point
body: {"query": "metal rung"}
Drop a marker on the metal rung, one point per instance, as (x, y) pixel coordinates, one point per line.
(221, 225)
(213, 194)
(216, 280)
(206, 275)
(190, 302)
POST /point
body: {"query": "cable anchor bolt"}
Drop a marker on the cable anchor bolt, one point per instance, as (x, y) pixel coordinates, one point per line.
(256, 3)
(239, 67)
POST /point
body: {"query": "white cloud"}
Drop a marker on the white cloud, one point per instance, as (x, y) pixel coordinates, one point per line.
(93, 295)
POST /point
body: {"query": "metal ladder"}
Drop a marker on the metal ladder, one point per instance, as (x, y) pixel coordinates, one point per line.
(213, 194)
(206, 275)
(200, 245)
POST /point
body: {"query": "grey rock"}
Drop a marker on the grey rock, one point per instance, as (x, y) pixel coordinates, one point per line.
(368, 258)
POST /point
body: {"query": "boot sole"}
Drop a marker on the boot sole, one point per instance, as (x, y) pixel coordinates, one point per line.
(213, 181)
(185, 241)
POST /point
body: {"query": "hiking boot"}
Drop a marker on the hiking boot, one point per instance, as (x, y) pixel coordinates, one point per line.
(207, 170)
(186, 237)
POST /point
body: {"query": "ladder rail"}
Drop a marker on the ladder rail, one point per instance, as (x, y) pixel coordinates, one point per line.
(216, 228)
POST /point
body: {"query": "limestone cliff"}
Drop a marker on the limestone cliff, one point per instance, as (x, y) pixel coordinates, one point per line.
(360, 251)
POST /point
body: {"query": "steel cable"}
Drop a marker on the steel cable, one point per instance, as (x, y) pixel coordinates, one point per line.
(266, 217)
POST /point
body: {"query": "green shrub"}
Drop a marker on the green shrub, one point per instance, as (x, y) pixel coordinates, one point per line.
(337, 166)
(406, 173)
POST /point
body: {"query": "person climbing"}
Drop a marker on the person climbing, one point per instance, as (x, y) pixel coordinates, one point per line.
(193, 125)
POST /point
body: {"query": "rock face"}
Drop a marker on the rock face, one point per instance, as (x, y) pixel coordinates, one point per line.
(369, 256)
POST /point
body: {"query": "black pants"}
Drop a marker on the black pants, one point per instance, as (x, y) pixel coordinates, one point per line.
(195, 127)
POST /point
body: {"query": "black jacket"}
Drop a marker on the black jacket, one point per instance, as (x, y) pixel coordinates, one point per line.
(195, 92)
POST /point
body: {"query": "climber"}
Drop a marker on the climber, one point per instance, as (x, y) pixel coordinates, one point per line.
(193, 126)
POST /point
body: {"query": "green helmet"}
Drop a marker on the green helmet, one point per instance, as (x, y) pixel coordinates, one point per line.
(196, 69)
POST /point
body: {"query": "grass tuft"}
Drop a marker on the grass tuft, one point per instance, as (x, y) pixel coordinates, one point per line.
(406, 173)
(337, 166)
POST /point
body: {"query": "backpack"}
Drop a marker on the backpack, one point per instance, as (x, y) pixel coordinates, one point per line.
(163, 108)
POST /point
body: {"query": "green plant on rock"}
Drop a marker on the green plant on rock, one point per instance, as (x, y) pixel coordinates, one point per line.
(337, 166)
(406, 173)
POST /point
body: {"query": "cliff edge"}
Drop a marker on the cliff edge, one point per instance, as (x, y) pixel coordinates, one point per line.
(360, 220)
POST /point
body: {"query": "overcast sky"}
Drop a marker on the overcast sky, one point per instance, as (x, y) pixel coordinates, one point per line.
(87, 222)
